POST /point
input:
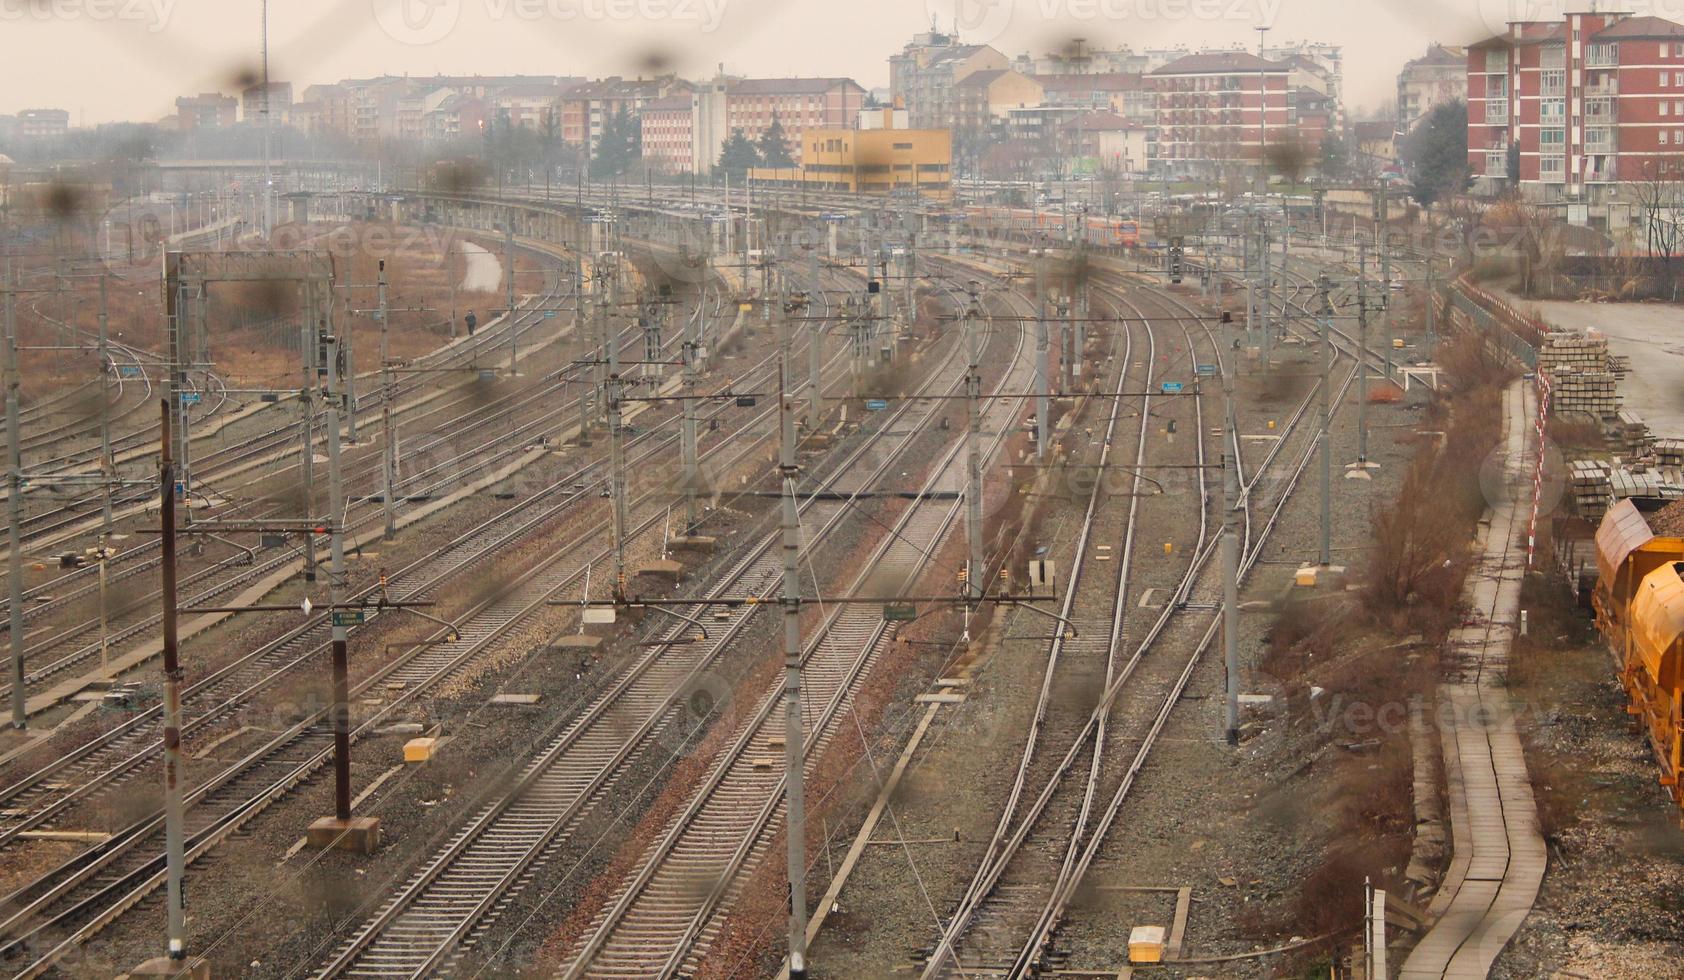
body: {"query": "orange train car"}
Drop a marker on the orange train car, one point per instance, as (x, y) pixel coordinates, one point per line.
(1639, 604)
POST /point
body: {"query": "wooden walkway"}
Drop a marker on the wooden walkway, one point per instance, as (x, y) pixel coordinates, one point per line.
(1498, 854)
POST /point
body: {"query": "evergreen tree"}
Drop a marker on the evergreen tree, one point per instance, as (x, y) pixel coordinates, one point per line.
(1437, 154)
(774, 146)
(619, 147)
(738, 155)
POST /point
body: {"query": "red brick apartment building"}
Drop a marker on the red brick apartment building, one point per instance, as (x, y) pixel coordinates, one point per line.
(1591, 101)
(1217, 111)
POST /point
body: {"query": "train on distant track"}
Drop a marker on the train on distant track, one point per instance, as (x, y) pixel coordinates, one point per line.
(1099, 230)
(1639, 606)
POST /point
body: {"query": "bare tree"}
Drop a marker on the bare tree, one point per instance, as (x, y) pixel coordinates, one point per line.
(1660, 210)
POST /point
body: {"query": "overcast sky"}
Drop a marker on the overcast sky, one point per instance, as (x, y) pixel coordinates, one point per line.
(128, 59)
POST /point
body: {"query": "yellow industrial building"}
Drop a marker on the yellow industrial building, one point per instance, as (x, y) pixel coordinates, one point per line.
(870, 161)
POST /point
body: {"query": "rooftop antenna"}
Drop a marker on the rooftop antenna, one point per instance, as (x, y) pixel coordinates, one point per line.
(268, 166)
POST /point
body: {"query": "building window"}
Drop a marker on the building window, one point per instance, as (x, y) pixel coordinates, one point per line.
(1551, 166)
(1552, 137)
(1553, 56)
(1604, 55)
(1553, 111)
(1663, 137)
(1553, 83)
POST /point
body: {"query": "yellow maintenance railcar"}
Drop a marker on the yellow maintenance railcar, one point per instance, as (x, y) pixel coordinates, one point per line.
(1639, 602)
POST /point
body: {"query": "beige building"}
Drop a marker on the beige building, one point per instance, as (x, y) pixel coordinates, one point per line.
(1439, 76)
(983, 98)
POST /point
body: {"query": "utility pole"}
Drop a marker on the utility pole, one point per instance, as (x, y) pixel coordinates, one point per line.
(617, 478)
(815, 363)
(687, 435)
(336, 589)
(307, 405)
(1385, 284)
(1326, 555)
(175, 857)
(1362, 355)
(108, 469)
(14, 500)
(388, 424)
(1230, 563)
(973, 456)
(1043, 401)
(1432, 309)
(514, 324)
(1266, 301)
(794, 748)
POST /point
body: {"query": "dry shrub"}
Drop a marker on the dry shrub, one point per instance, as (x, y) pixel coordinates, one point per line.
(1303, 633)
(1420, 540)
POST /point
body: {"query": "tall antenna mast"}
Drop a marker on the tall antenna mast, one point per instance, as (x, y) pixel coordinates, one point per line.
(268, 172)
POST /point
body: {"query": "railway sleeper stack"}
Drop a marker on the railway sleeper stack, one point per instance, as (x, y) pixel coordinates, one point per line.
(1650, 482)
(1589, 485)
(1579, 373)
(1590, 393)
(1669, 452)
(1632, 434)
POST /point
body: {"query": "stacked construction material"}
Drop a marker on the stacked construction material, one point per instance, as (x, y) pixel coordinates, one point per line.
(1619, 365)
(1669, 452)
(1592, 393)
(1588, 483)
(1576, 365)
(1572, 349)
(1656, 483)
(1631, 433)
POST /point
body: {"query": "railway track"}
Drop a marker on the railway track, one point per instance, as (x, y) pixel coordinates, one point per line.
(451, 904)
(63, 909)
(228, 682)
(1026, 863)
(507, 434)
(662, 920)
(1002, 899)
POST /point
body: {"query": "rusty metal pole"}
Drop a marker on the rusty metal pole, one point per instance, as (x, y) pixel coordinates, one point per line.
(14, 501)
(173, 818)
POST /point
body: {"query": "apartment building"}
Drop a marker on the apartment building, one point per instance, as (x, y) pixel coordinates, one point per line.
(1437, 77)
(1587, 102)
(983, 98)
(207, 110)
(685, 133)
(280, 100)
(924, 76)
(1218, 111)
(587, 108)
(42, 123)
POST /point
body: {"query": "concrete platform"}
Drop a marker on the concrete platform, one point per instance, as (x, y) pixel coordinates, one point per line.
(662, 570)
(193, 968)
(358, 834)
(695, 543)
(577, 643)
